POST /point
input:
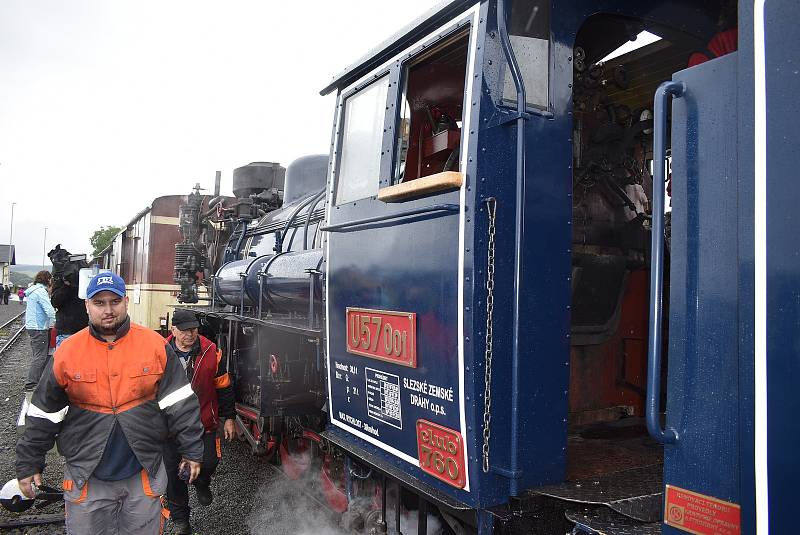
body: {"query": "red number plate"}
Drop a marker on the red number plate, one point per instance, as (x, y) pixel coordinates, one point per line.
(383, 335)
(441, 453)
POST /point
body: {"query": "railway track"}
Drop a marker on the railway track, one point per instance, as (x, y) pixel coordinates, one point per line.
(10, 331)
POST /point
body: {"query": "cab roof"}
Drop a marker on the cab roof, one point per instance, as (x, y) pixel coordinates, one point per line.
(412, 32)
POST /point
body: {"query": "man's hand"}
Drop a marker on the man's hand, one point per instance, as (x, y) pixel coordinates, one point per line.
(25, 485)
(192, 467)
(229, 429)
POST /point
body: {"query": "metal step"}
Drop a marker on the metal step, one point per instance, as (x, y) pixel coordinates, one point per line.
(604, 521)
(637, 493)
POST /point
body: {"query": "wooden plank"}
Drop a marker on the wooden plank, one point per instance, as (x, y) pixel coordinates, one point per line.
(446, 180)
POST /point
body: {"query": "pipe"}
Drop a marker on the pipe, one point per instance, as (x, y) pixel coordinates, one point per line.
(243, 276)
(308, 221)
(519, 240)
(382, 527)
(397, 510)
(294, 215)
(341, 227)
(348, 480)
(261, 275)
(243, 224)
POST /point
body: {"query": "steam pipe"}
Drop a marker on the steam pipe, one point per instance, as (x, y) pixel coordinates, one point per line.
(294, 215)
(212, 204)
(243, 223)
(519, 240)
(308, 221)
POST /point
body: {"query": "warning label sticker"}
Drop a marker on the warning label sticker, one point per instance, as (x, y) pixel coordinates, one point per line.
(701, 514)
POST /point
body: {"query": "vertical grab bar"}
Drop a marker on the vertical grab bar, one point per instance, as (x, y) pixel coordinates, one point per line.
(660, 102)
(519, 239)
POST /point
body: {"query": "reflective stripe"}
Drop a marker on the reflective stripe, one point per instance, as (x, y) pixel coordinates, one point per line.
(222, 381)
(174, 397)
(55, 417)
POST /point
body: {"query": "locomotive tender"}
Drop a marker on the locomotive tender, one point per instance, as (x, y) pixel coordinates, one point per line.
(461, 309)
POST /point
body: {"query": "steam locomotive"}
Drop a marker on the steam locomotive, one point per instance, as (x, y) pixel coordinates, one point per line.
(460, 310)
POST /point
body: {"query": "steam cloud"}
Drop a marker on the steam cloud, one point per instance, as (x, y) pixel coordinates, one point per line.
(283, 506)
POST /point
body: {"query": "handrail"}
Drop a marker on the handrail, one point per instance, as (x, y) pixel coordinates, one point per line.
(519, 238)
(660, 102)
(341, 227)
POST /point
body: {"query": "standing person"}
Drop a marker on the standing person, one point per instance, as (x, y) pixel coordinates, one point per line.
(71, 314)
(6, 294)
(110, 396)
(21, 295)
(209, 378)
(39, 317)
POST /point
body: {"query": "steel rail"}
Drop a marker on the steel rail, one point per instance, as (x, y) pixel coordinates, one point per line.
(16, 334)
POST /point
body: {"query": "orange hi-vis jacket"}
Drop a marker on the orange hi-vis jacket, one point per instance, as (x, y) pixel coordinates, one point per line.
(91, 384)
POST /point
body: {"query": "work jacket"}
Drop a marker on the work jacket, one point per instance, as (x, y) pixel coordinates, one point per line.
(90, 384)
(39, 314)
(211, 382)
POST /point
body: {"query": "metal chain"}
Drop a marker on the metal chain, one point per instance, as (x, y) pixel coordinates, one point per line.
(491, 208)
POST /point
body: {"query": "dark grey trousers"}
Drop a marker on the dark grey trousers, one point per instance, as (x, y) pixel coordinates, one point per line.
(128, 507)
(40, 340)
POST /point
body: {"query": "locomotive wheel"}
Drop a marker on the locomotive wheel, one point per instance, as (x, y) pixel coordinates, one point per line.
(352, 521)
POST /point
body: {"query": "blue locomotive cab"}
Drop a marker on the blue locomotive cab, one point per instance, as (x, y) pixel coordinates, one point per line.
(505, 334)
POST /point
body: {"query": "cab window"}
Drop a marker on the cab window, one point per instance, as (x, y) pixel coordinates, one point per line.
(529, 33)
(431, 111)
(361, 139)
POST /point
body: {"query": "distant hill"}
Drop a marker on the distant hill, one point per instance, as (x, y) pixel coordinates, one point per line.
(29, 269)
(20, 279)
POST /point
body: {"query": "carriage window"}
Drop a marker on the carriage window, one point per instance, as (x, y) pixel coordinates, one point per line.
(529, 32)
(362, 135)
(431, 109)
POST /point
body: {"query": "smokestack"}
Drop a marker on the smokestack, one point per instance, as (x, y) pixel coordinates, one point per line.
(217, 180)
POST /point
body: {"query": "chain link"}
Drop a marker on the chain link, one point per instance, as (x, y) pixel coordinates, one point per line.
(491, 208)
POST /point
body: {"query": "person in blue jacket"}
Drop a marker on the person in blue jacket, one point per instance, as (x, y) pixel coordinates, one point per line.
(39, 317)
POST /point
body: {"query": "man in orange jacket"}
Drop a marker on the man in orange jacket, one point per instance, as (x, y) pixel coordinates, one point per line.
(110, 396)
(208, 375)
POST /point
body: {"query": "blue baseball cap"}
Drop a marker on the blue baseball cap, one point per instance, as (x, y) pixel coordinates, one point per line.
(106, 282)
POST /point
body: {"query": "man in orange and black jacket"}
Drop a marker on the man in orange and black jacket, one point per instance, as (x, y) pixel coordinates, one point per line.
(208, 375)
(110, 396)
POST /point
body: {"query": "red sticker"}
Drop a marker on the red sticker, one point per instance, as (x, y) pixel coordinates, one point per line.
(701, 514)
(441, 453)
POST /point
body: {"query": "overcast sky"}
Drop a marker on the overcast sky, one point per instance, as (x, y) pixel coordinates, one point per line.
(105, 105)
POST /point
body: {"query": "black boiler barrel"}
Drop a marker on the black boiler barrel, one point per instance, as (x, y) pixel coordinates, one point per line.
(286, 284)
(284, 281)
